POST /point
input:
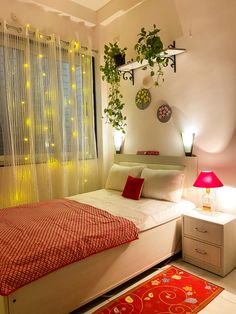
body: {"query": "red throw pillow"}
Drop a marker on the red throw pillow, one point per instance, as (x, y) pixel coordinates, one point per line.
(133, 188)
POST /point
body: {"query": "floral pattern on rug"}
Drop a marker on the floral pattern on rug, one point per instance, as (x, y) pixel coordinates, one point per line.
(171, 291)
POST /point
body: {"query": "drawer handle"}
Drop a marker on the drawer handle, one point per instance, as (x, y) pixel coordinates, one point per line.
(201, 230)
(202, 252)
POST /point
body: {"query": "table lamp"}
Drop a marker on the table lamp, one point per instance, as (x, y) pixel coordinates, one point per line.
(208, 180)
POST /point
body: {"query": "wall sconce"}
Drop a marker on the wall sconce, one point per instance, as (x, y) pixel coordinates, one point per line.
(118, 141)
(208, 180)
(188, 139)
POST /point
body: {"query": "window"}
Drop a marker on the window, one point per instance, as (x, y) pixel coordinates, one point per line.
(45, 98)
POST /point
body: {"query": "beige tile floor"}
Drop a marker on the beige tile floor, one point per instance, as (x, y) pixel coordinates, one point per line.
(225, 303)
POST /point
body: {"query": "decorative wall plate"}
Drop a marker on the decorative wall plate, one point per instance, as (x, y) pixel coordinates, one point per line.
(143, 98)
(164, 113)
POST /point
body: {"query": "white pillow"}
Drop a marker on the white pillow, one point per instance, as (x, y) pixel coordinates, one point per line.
(163, 184)
(118, 175)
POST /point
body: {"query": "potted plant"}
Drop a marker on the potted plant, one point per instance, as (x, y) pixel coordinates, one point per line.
(114, 56)
(150, 47)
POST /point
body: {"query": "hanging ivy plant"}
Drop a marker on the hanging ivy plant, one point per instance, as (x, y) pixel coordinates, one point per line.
(113, 57)
(150, 47)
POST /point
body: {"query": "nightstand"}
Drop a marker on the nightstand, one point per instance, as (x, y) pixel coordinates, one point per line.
(209, 240)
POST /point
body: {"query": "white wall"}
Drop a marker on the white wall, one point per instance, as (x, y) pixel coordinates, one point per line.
(202, 93)
(46, 22)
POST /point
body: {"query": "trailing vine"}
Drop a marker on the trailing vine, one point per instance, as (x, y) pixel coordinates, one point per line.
(111, 74)
(150, 48)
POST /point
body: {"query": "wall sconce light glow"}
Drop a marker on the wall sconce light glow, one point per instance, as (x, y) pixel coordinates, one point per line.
(227, 199)
(118, 141)
(188, 138)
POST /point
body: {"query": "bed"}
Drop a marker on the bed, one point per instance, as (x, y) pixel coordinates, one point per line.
(72, 286)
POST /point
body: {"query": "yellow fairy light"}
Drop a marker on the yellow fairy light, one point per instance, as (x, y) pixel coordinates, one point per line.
(68, 165)
(28, 25)
(49, 112)
(27, 122)
(41, 36)
(73, 69)
(44, 74)
(85, 180)
(52, 145)
(40, 56)
(76, 45)
(69, 102)
(45, 128)
(22, 102)
(25, 65)
(74, 134)
(27, 84)
(84, 72)
(82, 56)
(72, 118)
(26, 158)
(70, 51)
(73, 86)
(26, 139)
(53, 163)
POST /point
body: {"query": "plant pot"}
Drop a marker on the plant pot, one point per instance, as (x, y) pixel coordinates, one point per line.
(119, 59)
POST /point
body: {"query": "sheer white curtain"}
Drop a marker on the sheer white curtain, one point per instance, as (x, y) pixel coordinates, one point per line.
(47, 136)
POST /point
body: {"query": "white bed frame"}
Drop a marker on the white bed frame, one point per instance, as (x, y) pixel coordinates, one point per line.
(74, 285)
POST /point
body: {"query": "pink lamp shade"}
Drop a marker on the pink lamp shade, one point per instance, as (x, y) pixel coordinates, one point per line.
(207, 179)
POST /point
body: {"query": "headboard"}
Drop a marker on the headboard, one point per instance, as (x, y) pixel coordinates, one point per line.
(188, 164)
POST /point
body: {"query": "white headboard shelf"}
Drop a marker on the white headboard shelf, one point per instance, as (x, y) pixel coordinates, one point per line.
(190, 166)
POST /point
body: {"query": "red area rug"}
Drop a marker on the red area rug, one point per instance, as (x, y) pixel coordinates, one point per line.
(171, 291)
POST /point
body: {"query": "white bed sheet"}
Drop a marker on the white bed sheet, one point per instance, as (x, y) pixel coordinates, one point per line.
(145, 213)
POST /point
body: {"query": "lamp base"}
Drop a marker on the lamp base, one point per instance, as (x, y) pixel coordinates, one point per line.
(207, 208)
(208, 201)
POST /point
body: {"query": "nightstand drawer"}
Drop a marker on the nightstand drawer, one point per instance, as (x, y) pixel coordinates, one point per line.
(203, 252)
(203, 230)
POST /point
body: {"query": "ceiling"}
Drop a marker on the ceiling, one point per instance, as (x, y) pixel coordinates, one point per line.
(90, 12)
(92, 4)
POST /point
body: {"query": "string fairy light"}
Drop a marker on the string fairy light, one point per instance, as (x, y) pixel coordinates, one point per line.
(27, 122)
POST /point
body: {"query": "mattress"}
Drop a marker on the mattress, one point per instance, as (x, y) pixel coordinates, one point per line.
(145, 213)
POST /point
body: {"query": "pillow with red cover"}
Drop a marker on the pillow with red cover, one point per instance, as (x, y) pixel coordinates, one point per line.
(133, 188)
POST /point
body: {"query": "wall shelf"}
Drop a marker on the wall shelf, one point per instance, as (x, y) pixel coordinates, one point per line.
(127, 69)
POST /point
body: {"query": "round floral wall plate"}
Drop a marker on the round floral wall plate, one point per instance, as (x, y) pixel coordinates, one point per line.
(143, 98)
(164, 113)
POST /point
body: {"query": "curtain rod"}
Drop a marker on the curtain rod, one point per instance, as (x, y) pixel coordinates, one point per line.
(20, 29)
